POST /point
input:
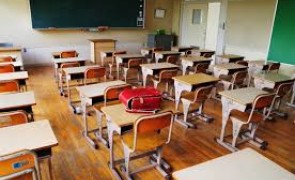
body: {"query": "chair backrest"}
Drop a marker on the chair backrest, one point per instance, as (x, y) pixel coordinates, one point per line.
(9, 86)
(166, 75)
(239, 77)
(94, 73)
(203, 93)
(153, 124)
(19, 165)
(113, 92)
(69, 64)
(117, 53)
(13, 118)
(242, 62)
(135, 63)
(68, 54)
(6, 59)
(284, 88)
(173, 59)
(274, 67)
(201, 67)
(6, 68)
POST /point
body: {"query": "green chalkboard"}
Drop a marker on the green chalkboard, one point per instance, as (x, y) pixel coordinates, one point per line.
(282, 47)
(87, 13)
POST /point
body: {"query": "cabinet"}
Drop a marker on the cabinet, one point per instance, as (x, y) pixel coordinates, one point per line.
(165, 41)
(98, 45)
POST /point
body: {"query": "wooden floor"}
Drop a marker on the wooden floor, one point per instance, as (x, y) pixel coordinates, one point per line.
(73, 158)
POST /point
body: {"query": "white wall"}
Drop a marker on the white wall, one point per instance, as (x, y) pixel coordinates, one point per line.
(15, 18)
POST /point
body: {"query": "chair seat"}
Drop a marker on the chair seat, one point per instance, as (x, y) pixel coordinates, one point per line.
(146, 141)
(244, 116)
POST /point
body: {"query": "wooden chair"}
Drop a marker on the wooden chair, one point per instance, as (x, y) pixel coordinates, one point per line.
(135, 65)
(237, 80)
(61, 73)
(9, 86)
(274, 67)
(22, 165)
(242, 62)
(13, 118)
(165, 76)
(146, 136)
(94, 74)
(6, 68)
(68, 54)
(252, 119)
(208, 54)
(281, 90)
(6, 59)
(173, 59)
(113, 65)
(111, 97)
(201, 67)
(194, 103)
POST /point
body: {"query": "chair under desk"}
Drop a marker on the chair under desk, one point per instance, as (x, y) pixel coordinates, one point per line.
(119, 121)
(155, 68)
(89, 94)
(18, 65)
(243, 165)
(191, 61)
(164, 54)
(36, 136)
(72, 73)
(228, 58)
(124, 58)
(238, 99)
(20, 76)
(18, 101)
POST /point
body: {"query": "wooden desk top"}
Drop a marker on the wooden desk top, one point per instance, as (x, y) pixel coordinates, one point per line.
(17, 100)
(14, 63)
(102, 40)
(203, 50)
(71, 59)
(122, 118)
(195, 79)
(96, 90)
(230, 56)
(32, 136)
(243, 95)
(77, 70)
(5, 49)
(163, 65)
(230, 66)
(273, 77)
(14, 75)
(128, 56)
(243, 165)
(167, 52)
(195, 58)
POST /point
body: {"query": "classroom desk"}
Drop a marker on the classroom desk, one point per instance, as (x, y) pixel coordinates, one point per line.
(228, 58)
(18, 65)
(270, 80)
(89, 94)
(119, 121)
(72, 73)
(146, 51)
(191, 61)
(20, 76)
(154, 68)
(56, 55)
(35, 136)
(15, 52)
(238, 99)
(227, 69)
(124, 58)
(201, 52)
(191, 82)
(243, 165)
(182, 48)
(163, 55)
(17, 101)
(58, 61)
(105, 54)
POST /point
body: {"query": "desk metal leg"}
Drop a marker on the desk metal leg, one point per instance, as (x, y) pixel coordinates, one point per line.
(184, 68)
(144, 76)
(178, 90)
(118, 70)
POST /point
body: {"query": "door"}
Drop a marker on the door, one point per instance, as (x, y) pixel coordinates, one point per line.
(194, 21)
(212, 26)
